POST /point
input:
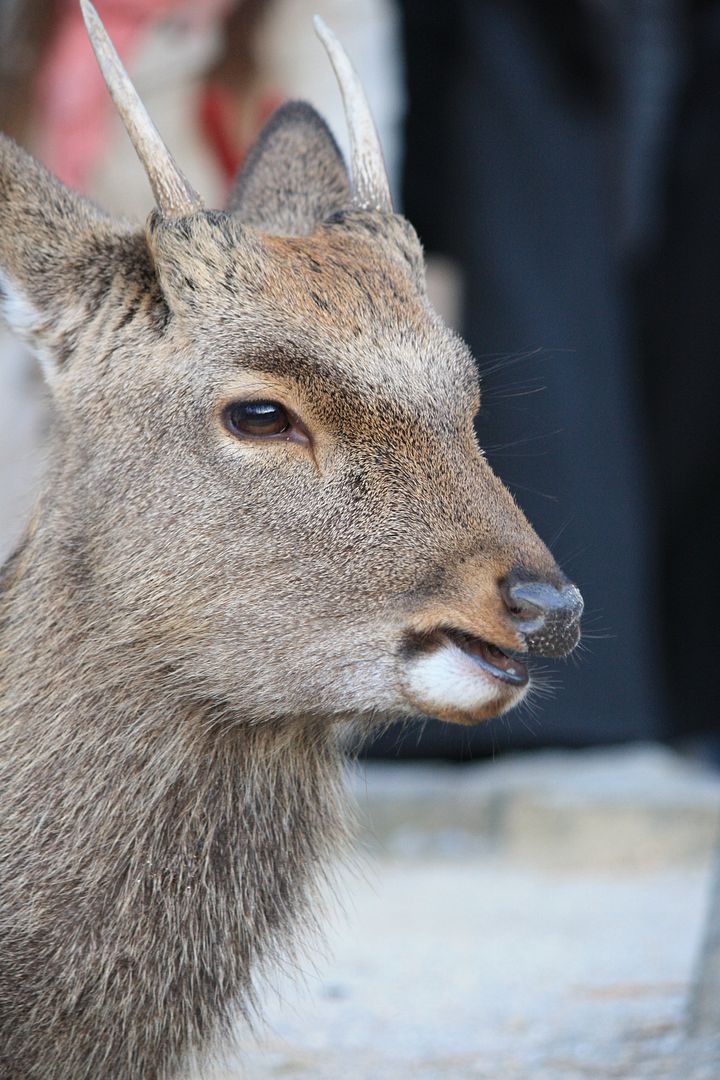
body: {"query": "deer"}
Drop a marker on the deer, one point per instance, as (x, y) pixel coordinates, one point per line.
(266, 521)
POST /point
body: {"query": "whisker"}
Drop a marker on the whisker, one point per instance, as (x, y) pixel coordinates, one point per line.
(560, 531)
(494, 394)
(525, 441)
(501, 361)
(531, 491)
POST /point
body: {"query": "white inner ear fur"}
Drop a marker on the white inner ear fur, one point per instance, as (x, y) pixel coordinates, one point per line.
(448, 679)
(25, 321)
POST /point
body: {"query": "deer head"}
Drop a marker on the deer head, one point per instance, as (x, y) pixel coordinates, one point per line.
(265, 478)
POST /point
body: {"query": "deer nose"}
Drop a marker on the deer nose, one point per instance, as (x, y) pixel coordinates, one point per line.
(546, 616)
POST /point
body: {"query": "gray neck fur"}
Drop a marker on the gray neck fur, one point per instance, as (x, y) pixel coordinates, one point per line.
(172, 851)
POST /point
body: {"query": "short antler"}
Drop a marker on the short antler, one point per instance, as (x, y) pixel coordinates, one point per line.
(173, 194)
(371, 190)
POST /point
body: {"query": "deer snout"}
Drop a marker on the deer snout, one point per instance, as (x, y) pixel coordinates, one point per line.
(547, 616)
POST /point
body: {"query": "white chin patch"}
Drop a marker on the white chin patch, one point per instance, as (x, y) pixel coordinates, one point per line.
(448, 679)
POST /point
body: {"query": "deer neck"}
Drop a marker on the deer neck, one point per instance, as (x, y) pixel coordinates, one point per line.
(173, 846)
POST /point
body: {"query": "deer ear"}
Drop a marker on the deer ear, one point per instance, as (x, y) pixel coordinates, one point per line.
(59, 257)
(294, 176)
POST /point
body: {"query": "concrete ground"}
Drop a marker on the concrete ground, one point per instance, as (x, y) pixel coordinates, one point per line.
(536, 918)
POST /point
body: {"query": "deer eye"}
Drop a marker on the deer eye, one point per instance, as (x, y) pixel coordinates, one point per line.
(257, 419)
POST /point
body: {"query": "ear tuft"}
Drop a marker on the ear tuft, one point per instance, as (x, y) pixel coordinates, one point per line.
(294, 176)
(61, 260)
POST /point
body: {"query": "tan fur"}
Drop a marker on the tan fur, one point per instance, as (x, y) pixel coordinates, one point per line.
(191, 618)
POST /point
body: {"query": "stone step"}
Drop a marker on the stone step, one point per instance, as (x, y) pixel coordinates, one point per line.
(606, 808)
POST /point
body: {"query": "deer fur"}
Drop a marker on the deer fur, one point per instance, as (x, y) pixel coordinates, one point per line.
(192, 620)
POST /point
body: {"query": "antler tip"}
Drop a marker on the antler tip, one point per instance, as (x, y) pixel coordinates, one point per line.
(89, 14)
(371, 190)
(322, 29)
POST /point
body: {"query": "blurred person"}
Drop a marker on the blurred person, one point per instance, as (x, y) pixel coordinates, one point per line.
(566, 156)
(678, 334)
(213, 72)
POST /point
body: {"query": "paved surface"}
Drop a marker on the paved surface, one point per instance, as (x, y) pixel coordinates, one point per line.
(537, 918)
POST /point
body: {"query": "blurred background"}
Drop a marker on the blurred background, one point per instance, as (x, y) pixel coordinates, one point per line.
(540, 917)
(561, 164)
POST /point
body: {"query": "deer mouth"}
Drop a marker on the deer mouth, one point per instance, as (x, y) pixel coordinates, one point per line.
(499, 663)
(456, 676)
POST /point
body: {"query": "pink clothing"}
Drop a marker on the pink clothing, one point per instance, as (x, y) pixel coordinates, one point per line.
(74, 106)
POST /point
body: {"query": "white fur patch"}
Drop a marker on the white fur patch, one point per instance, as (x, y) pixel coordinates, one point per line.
(24, 320)
(16, 308)
(448, 679)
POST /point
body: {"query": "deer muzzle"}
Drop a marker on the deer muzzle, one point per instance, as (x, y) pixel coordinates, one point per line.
(465, 657)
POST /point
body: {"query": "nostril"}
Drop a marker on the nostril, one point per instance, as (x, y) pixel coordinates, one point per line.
(527, 602)
(523, 613)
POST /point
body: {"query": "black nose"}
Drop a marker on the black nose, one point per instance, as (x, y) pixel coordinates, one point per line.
(548, 617)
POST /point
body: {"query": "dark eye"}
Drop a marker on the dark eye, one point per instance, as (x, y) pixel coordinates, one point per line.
(258, 419)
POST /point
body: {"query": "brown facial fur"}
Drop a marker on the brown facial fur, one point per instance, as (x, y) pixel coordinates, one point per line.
(191, 614)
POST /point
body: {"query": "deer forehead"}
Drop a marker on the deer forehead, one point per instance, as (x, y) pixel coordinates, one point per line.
(339, 309)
